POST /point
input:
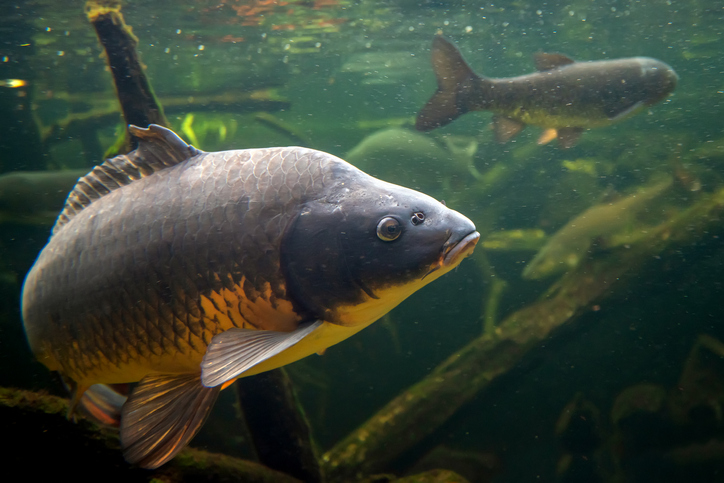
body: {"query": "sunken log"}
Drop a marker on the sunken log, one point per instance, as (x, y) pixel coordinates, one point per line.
(421, 409)
(138, 102)
(277, 424)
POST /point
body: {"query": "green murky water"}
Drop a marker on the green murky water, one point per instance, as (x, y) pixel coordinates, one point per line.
(349, 78)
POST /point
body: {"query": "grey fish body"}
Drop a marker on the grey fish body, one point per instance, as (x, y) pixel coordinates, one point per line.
(185, 270)
(581, 94)
(563, 95)
(151, 250)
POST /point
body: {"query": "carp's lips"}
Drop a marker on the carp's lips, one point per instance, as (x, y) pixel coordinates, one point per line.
(453, 252)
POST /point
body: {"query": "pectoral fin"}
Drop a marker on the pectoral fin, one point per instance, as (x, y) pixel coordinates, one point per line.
(617, 116)
(161, 416)
(234, 351)
(547, 136)
(506, 128)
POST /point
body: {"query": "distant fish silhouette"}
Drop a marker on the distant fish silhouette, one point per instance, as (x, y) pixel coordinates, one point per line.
(13, 83)
(603, 222)
(564, 97)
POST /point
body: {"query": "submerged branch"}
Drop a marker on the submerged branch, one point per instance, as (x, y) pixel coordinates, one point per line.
(138, 102)
(421, 409)
(96, 112)
(278, 426)
(36, 425)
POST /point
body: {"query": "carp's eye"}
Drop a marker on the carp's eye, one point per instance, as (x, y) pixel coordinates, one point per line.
(417, 218)
(388, 229)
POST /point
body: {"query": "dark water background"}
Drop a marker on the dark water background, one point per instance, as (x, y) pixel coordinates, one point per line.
(352, 69)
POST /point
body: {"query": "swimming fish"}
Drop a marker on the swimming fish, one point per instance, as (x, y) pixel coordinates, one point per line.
(568, 246)
(184, 270)
(564, 97)
(386, 153)
(13, 83)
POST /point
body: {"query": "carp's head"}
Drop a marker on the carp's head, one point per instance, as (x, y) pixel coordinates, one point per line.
(353, 254)
(658, 80)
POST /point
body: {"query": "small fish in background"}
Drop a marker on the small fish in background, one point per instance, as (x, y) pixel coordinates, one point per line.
(564, 97)
(13, 83)
(184, 270)
(409, 157)
(566, 248)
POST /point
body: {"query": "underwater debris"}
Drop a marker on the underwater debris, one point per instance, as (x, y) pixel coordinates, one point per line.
(317, 15)
(590, 166)
(44, 415)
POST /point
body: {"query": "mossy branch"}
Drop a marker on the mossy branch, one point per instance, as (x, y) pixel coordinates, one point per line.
(37, 426)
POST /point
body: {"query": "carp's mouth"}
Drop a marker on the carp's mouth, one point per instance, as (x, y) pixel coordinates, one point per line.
(453, 251)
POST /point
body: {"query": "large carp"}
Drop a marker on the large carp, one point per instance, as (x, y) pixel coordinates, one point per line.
(184, 270)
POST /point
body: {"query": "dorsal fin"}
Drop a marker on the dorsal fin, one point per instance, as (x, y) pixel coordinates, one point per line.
(545, 61)
(158, 148)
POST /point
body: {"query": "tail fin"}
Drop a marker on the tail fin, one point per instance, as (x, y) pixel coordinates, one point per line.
(452, 73)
